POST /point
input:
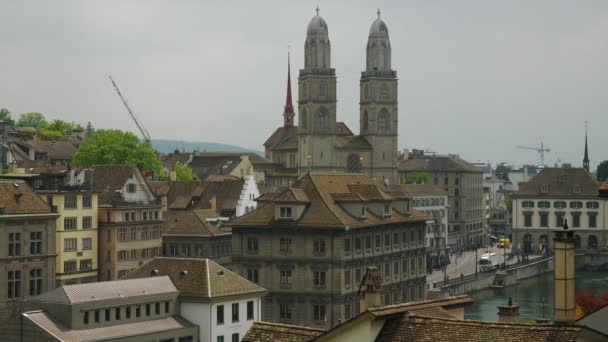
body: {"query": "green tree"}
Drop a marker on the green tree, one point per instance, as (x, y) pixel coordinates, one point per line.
(113, 146)
(36, 120)
(416, 178)
(183, 172)
(5, 115)
(602, 171)
(47, 134)
(63, 127)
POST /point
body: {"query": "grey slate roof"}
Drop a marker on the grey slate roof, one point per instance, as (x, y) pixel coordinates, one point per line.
(437, 164)
(90, 292)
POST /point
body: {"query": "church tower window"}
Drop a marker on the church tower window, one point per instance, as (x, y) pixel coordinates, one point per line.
(365, 123)
(304, 118)
(354, 163)
(322, 89)
(384, 94)
(322, 120)
(383, 121)
(366, 92)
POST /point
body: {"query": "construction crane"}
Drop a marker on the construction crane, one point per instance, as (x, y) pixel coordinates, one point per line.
(540, 149)
(142, 129)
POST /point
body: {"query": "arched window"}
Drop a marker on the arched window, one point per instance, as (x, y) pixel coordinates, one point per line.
(322, 89)
(383, 120)
(384, 94)
(354, 163)
(304, 118)
(322, 120)
(365, 124)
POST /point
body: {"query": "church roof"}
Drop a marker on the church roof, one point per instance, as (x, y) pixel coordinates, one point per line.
(283, 138)
(323, 211)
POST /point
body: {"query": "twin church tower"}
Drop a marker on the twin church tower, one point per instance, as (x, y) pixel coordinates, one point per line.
(320, 143)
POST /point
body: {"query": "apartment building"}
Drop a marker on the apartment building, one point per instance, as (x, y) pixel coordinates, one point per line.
(130, 220)
(310, 245)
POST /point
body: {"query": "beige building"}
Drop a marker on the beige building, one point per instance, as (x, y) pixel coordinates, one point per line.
(130, 219)
(542, 206)
(320, 142)
(311, 244)
(27, 249)
(125, 310)
(463, 183)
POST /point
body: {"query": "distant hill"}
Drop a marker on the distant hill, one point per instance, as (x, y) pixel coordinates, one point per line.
(169, 146)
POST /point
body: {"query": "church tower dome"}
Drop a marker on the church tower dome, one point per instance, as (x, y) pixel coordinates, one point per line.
(317, 48)
(378, 47)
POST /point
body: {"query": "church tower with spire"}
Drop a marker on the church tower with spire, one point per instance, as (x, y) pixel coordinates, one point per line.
(378, 110)
(317, 101)
(586, 157)
(288, 113)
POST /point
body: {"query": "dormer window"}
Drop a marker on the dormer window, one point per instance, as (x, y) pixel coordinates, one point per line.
(544, 188)
(363, 210)
(576, 188)
(131, 188)
(387, 210)
(286, 212)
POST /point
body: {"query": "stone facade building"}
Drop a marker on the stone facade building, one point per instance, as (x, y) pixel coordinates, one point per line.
(464, 184)
(123, 310)
(320, 142)
(541, 206)
(27, 249)
(130, 220)
(311, 244)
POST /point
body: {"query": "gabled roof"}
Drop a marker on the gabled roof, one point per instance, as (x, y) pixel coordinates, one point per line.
(17, 197)
(597, 320)
(292, 196)
(561, 182)
(62, 333)
(283, 138)
(100, 291)
(387, 310)
(417, 328)
(188, 223)
(323, 211)
(196, 277)
(342, 129)
(274, 332)
(437, 164)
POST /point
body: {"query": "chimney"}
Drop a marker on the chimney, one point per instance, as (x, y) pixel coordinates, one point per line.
(371, 289)
(564, 276)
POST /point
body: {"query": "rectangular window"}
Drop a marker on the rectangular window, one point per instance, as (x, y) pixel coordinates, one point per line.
(219, 314)
(347, 278)
(396, 268)
(85, 319)
(69, 202)
(396, 238)
(319, 247)
(220, 338)
(35, 243)
(576, 220)
(285, 245)
(70, 244)
(87, 222)
(593, 205)
(404, 237)
(250, 311)
(86, 264)
(96, 316)
(378, 241)
(128, 312)
(138, 311)
(387, 240)
(157, 308)
(347, 245)
(117, 314)
(559, 219)
(235, 312)
(148, 309)
(368, 242)
(387, 270)
(358, 244)
(14, 244)
(87, 243)
(286, 278)
(253, 275)
(387, 209)
(358, 275)
(70, 223)
(35, 282)
(131, 188)
(544, 204)
(70, 266)
(319, 278)
(14, 284)
(544, 220)
(87, 201)
(527, 220)
(285, 311)
(285, 212)
(252, 244)
(319, 312)
(592, 221)
(347, 310)
(235, 337)
(107, 314)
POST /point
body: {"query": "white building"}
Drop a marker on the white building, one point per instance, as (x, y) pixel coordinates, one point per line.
(249, 193)
(434, 202)
(554, 195)
(223, 304)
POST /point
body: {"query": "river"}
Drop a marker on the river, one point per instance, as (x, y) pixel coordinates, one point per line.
(530, 294)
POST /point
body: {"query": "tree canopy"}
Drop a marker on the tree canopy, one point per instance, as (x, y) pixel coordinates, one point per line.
(602, 171)
(64, 127)
(5, 115)
(113, 146)
(416, 178)
(36, 120)
(183, 172)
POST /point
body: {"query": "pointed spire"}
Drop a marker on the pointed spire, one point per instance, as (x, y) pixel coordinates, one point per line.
(288, 112)
(586, 157)
(378, 13)
(317, 9)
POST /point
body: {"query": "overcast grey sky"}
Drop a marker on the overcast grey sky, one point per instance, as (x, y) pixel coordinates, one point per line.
(476, 77)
